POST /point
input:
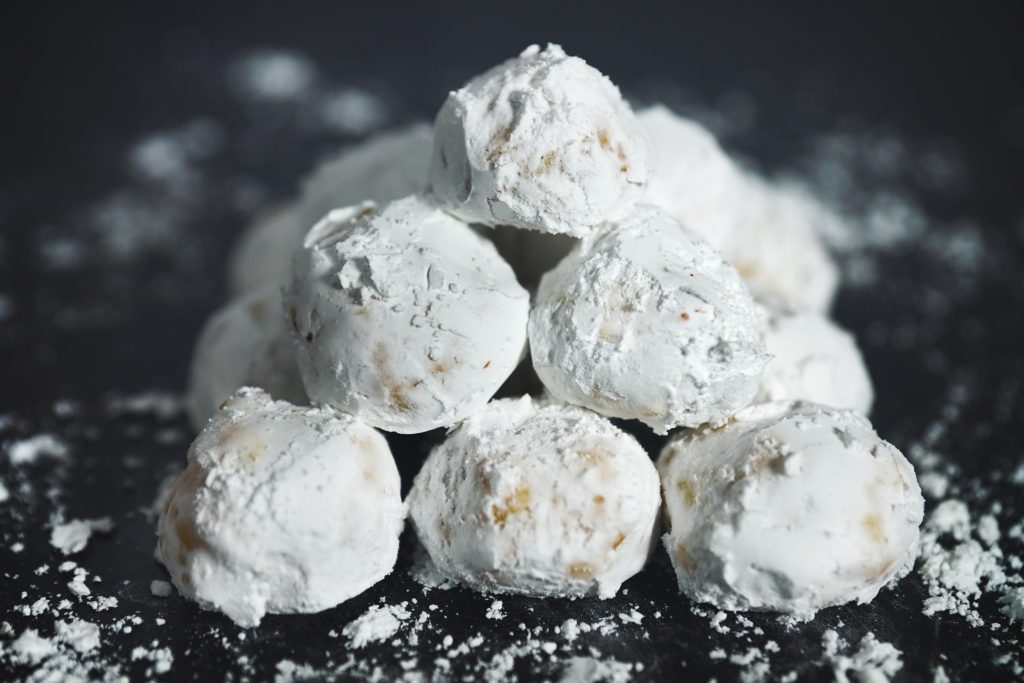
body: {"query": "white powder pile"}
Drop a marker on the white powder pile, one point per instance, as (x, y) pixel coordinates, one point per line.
(83, 636)
(1012, 604)
(28, 451)
(271, 74)
(590, 670)
(32, 648)
(956, 567)
(71, 653)
(873, 662)
(158, 404)
(495, 611)
(72, 537)
(378, 623)
(160, 658)
(160, 589)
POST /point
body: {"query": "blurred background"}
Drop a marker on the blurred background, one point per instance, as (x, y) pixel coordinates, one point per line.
(88, 85)
(141, 139)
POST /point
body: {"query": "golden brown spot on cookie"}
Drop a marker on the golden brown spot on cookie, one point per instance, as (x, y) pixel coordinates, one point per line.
(746, 270)
(685, 487)
(599, 500)
(496, 147)
(618, 541)
(256, 452)
(482, 480)
(602, 139)
(188, 535)
(609, 334)
(760, 464)
(396, 394)
(683, 558)
(580, 570)
(256, 308)
(684, 316)
(590, 455)
(547, 161)
(513, 504)
(438, 369)
(872, 524)
(487, 365)
(365, 212)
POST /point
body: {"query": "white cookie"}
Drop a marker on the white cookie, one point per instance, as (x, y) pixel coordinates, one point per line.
(282, 509)
(813, 359)
(543, 142)
(403, 316)
(386, 166)
(644, 320)
(546, 500)
(791, 507)
(244, 344)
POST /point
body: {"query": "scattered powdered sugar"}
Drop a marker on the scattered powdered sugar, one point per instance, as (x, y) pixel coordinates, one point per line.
(32, 648)
(1012, 604)
(159, 588)
(83, 636)
(72, 537)
(353, 111)
(161, 405)
(378, 623)
(955, 567)
(495, 611)
(161, 658)
(273, 74)
(28, 451)
(288, 671)
(590, 670)
(873, 662)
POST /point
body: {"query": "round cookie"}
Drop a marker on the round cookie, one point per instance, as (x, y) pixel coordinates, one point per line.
(537, 499)
(776, 248)
(386, 166)
(644, 320)
(692, 179)
(244, 344)
(403, 316)
(767, 230)
(791, 507)
(813, 359)
(543, 141)
(282, 509)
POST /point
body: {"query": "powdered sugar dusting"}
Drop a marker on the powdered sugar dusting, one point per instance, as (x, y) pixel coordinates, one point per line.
(379, 623)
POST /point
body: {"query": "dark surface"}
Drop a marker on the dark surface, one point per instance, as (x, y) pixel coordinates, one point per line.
(85, 83)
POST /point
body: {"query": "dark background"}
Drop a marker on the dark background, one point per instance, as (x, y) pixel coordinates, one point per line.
(82, 81)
